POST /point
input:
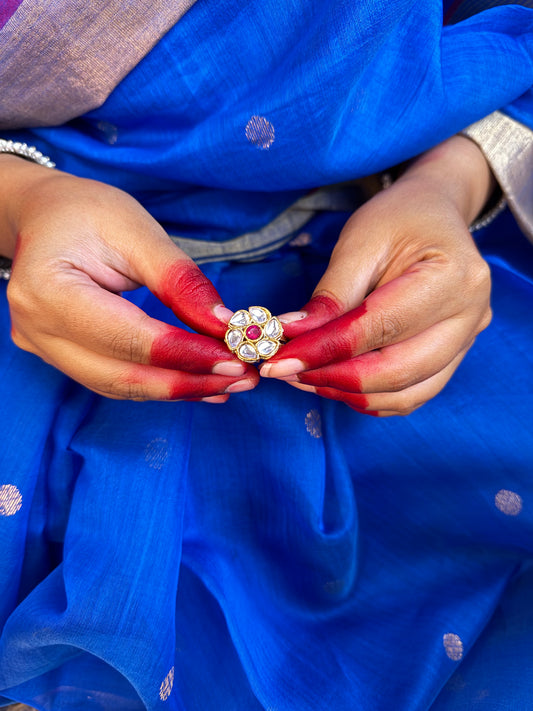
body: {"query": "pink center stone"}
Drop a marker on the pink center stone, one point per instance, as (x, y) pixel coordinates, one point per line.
(253, 333)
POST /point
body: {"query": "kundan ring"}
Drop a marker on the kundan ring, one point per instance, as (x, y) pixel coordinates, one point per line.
(254, 334)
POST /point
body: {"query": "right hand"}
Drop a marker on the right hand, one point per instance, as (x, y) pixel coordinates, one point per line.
(79, 244)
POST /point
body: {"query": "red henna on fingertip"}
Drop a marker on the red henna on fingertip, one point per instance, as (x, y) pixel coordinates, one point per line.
(192, 297)
(372, 413)
(354, 400)
(330, 343)
(342, 376)
(179, 349)
(319, 310)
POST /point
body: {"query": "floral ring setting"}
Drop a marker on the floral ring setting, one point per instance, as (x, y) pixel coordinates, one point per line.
(254, 334)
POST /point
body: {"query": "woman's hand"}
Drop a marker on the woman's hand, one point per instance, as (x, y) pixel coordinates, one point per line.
(79, 244)
(405, 293)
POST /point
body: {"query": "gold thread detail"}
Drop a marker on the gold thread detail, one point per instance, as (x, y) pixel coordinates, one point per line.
(167, 685)
(453, 646)
(313, 423)
(260, 132)
(508, 502)
(156, 453)
(10, 500)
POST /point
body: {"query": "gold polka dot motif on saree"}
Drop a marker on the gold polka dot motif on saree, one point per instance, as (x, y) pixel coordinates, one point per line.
(10, 500)
(167, 685)
(156, 453)
(313, 423)
(453, 646)
(508, 502)
(260, 132)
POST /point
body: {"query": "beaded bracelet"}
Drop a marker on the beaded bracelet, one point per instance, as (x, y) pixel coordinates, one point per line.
(25, 151)
(28, 153)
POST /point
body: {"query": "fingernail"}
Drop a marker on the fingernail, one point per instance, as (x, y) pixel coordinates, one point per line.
(222, 313)
(306, 388)
(282, 368)
(292, 316)
(215, 399)
(229, 367)
(240, 387)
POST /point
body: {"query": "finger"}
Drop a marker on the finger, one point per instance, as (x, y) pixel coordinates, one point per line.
(395, 403)
(318, 311)
(394, 312)
(110, 325)
(398, 366)
(193, 298)
(216, 399)
(133, 381)
(179, 283)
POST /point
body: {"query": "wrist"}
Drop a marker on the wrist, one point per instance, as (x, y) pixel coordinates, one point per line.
(19, 178)
(458, 170)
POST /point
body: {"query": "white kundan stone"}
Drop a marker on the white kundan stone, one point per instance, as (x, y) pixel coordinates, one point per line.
(266, 347)
(273, 328)
(234, 338)
(248, 352)
(240, 318)
(259, 315)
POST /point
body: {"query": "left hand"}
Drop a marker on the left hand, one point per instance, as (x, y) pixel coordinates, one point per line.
(404, 295)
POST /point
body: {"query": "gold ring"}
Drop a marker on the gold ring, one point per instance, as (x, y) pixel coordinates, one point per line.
(254, 334)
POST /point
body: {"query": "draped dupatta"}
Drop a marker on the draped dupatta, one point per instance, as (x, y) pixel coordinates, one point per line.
(75, 54)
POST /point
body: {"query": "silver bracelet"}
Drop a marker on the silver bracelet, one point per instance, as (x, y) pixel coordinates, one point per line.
(25, 151)
(487, 217)
(29, 153)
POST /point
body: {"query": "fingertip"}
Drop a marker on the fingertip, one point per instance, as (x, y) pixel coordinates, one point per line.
(301, 386)
(318, 311)
(292, 316)
(216, 399)
(232, 368)
(222, 313)
(282, 368)
(241, 386)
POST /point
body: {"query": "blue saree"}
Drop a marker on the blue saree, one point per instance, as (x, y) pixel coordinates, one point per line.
(280, 552)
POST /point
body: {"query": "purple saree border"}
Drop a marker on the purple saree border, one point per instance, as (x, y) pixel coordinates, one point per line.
(8, 9)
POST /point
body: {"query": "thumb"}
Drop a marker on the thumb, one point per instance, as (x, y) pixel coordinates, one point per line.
(175, 279)
(353, 271)
(184, 288)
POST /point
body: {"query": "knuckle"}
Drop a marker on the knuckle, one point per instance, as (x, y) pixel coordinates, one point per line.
(479, 277)
(486, 319)
(18, 297)
(405, 403)
(19, 340)
(341, 346)
(124, 389)
(407, 411)
(386, 328)
(401, 376)
(127, 345)
(134, 391)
